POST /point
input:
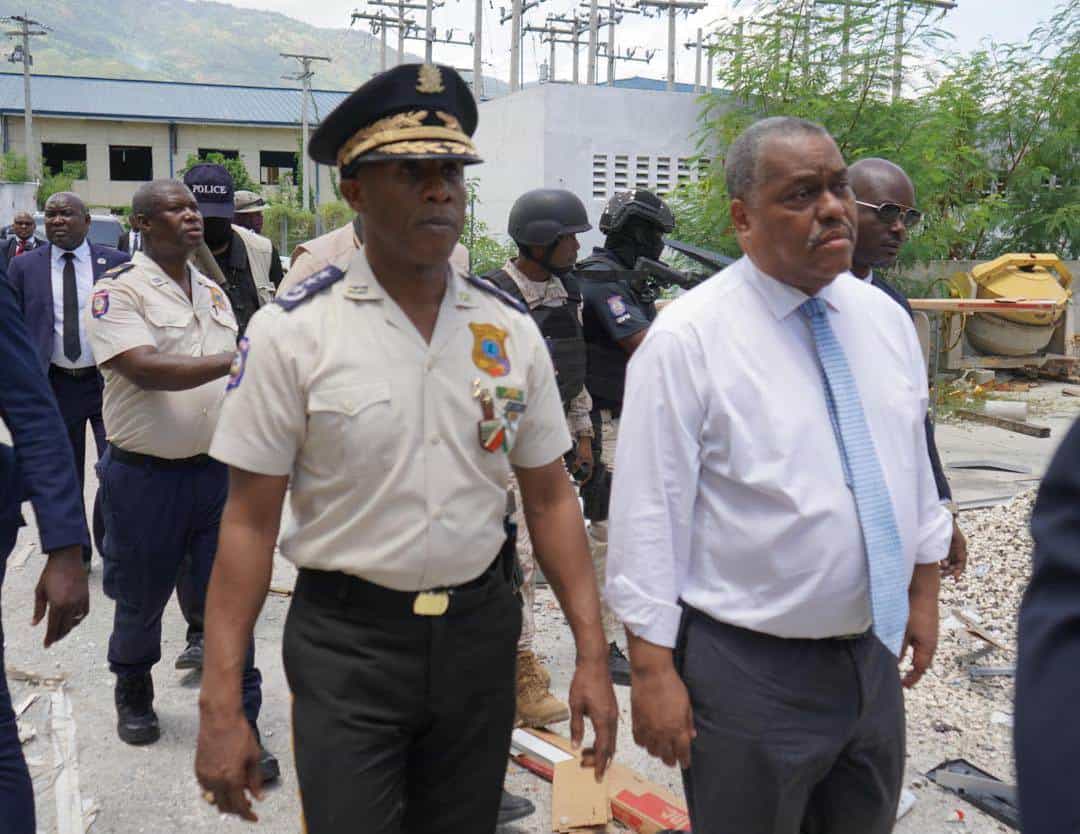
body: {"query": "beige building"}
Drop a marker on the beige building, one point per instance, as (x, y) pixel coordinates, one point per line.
(126, 132)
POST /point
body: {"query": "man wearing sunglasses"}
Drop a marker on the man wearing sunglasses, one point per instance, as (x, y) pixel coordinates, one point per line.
(885, 198)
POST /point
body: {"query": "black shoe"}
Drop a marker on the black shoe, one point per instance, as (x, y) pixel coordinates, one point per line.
(192, 656)
(269, 770)
(618, 665)
(512, 808)
(136, 721)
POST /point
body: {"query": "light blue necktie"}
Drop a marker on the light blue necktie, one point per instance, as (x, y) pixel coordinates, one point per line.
(884, 550)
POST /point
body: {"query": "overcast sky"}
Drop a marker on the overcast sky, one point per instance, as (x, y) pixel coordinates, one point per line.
(971, 22)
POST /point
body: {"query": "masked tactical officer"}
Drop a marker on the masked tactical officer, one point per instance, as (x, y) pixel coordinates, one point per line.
(616, 316)
(397, 395)
(544, 224)
(164, 336)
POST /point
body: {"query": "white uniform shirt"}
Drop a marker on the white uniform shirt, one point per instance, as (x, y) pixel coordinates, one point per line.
(729, 490)
(380, 430)
(144, 306)
(84, 283)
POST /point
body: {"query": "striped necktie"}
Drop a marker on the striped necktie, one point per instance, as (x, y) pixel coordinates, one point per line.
(881, 537)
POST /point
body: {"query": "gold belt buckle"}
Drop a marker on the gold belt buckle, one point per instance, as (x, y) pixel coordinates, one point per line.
(431, 603)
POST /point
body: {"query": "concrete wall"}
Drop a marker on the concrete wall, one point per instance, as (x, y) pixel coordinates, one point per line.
(98, 189)
(593, 141)
(16, 197)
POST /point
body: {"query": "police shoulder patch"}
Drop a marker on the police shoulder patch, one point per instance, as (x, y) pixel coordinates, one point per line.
(310, 286)
(502, 295)
(117, 271)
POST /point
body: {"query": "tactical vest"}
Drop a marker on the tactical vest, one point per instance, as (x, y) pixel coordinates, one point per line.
(606, 377)
(561, 330)
(260, 251)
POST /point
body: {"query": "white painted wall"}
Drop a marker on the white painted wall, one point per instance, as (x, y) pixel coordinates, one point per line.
(547, 137)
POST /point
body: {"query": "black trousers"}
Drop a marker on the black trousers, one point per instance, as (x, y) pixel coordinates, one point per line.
(793, 736)
(79, 399)
(401, 724)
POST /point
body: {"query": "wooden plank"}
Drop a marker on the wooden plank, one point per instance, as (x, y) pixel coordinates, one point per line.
(982, 305)
(1018, 426)
(974, 628)
(1071, 392)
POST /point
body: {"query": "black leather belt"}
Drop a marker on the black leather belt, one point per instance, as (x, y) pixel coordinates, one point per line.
(354, 592)
(78, 373)
(137, 459)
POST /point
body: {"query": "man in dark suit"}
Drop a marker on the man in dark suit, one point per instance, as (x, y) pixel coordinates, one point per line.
(885, 199)
(65, 271)
(39, 469)
(1047, 734)
(130, 241)
(21, 239)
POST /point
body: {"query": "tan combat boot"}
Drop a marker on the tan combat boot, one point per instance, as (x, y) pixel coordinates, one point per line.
(536, 706)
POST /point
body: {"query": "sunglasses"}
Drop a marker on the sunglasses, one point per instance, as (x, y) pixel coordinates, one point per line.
(887, 213)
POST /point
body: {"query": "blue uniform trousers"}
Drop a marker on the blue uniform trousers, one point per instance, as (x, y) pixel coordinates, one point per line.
(16, 789)
(161, 531)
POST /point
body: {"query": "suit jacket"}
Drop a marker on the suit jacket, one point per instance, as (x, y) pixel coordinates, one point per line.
(124, 243)
(943, 488)
(11, 243)
(31, 277)
(41, 467)
(1046, 733)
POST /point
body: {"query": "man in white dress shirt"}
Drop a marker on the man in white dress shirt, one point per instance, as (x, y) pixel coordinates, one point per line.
(776, 530)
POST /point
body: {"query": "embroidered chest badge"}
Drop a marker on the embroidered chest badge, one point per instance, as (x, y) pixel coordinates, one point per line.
(217, 299)
(617, 306)
(99, 303)
(489, 349)
(236, 369)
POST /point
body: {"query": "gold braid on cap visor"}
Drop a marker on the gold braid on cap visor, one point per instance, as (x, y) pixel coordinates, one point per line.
(408, 133)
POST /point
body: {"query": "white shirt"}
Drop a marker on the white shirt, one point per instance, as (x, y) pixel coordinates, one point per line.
(729, 492)
(381, 431)
(84, 281)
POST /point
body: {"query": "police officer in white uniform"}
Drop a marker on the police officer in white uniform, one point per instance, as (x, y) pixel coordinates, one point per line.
(397, 395)
(164, 336)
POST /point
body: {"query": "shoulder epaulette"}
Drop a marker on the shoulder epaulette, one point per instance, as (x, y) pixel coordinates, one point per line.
(117, 271)
(310, 286)
(502, 295)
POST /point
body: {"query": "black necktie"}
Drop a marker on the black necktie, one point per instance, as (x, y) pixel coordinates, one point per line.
(72, 348)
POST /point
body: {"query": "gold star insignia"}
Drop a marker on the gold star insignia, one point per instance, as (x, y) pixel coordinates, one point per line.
(430, 80)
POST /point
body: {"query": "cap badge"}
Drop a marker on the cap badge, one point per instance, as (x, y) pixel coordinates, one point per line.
(430, 80)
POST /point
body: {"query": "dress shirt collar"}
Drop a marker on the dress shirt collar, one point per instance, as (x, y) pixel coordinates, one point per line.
(82, 253)
(783, 299)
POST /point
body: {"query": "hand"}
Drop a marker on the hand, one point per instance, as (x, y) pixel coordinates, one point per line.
(226, 760)
(921, 636)
(583, 454)
(954, 564)
(63, 591)
(662, 718)
(592, 695)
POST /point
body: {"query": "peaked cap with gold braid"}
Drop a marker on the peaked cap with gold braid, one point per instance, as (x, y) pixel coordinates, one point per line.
(413, 111)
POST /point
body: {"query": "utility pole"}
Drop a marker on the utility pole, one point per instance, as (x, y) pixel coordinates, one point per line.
(550, 34)
(672, 6)
(304, 76)
(27, 28)
(517, 9)
(477, 60)
(696, 46)
(577, 28)
(615, 12)
(590, 75)
(381, 22)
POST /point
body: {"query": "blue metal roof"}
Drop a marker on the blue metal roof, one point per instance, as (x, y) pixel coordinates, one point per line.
(163, 101)
(638, 82)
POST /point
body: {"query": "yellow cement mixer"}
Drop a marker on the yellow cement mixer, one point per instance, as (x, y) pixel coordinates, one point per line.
(1028, 276)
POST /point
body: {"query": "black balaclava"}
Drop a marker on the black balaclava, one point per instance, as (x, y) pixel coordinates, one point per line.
(638, 238)
(217, 231)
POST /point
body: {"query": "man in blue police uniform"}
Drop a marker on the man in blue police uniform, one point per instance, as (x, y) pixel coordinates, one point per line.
(164, 336)
(885, 197)
(53, 284)
(1048, 668)
(617, 315)
(40, 468)
(394, 398)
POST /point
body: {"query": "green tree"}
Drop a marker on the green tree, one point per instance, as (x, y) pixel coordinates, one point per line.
(13, 167)
(485, 252)
(239, 173)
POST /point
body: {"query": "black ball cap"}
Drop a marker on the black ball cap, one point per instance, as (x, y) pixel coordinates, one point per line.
(413, 111)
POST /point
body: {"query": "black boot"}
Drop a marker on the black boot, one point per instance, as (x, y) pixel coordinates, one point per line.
(192, 656)
(136, 721)
(513, 808)
(269, 770)
(618, 666)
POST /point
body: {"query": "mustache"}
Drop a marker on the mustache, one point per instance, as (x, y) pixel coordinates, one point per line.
(841, 229)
